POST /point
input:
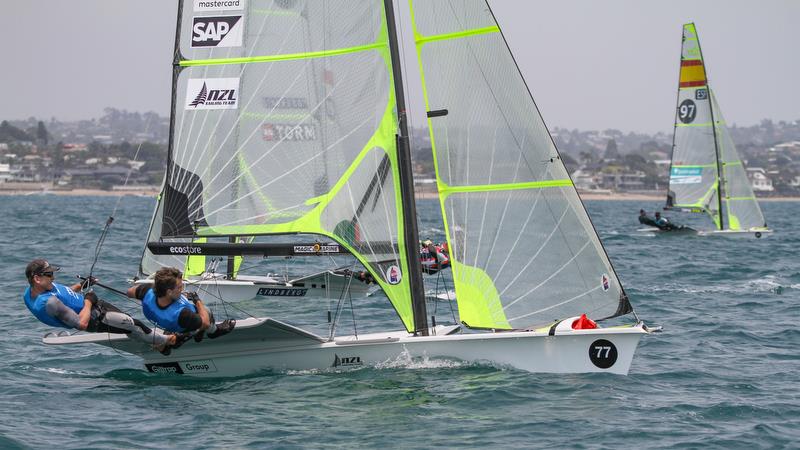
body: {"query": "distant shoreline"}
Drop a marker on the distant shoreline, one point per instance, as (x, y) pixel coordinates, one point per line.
(618, 196)
(80, 192)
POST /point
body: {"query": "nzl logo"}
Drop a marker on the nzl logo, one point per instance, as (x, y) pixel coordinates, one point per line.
(212, 93)
(339, 361)
(217, 31)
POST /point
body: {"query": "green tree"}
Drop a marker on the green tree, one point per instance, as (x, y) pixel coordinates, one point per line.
(41, 133)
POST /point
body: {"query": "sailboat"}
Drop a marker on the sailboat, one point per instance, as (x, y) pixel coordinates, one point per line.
(707, 176)
(289, 119)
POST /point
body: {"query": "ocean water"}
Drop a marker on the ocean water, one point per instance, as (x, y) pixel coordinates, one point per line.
(725, 373)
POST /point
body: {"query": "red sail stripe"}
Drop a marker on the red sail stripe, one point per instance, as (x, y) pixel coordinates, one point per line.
(691, 62)
(693, 83)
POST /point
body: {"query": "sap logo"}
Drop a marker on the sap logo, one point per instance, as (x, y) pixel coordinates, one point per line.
(205, 365)
(218, 31)
(346, 361)
(169, 368)
(185, 250)
(212, 93)
(288, 132)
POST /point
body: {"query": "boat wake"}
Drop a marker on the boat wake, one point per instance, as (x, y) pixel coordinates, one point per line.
(406, 361)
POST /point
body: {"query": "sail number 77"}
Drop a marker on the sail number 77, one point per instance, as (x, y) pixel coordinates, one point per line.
(603, 353)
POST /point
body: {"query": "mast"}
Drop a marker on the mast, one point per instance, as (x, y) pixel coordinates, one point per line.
(176, 70)
(669, 202)
(410, 232)
(720, 180)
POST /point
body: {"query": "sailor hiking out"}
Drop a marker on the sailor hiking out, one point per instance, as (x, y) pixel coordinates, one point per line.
(166, 305)
(63, 306)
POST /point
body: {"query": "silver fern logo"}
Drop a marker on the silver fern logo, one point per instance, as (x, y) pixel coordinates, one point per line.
(201, 97)
(212, 93)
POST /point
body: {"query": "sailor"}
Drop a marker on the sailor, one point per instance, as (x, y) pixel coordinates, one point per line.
(664, 223)
(644, 219)
(58, 305)
(166, 305)
(433, 257)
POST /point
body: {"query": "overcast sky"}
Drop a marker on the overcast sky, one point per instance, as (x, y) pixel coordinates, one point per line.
(590, 64)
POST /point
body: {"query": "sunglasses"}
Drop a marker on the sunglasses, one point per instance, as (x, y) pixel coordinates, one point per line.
(46, 274)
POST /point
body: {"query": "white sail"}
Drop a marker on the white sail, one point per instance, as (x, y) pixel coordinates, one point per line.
(707, 174)
(523, 249)
(289, 127)
(740, 203)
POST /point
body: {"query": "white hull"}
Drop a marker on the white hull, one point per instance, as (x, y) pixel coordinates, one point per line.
(748, 234)
(325, 284)
(266, 344)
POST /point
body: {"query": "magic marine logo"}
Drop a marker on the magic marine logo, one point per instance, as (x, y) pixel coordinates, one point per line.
(212, 93)
(217, 31)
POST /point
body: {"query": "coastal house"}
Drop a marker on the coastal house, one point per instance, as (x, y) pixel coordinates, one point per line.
(5, 173)
(759, 180)
(585, 180)
(623, 181)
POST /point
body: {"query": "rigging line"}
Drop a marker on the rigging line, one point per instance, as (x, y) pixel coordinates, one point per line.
(268, 152)
(486, 197)
(237, 126)
(549, 278)
(336, 315)
(110, 219)
(288, 173)
(499, 226)
(201, 155)
(541, 248)
(556, 305)
(352, 309)
(567, 241)
(486, 79)
(130, 169)
(299, 73)
(220, 117)
(524, 226)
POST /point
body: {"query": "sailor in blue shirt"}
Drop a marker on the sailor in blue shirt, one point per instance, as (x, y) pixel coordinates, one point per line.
(58, 305)
(166, 305)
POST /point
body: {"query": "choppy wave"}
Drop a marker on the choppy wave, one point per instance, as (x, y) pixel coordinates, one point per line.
(723, 373)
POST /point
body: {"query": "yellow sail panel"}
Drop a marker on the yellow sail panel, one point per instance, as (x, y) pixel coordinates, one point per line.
(693, 74)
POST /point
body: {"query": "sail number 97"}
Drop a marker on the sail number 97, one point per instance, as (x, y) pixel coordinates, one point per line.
(687, 111)
(603, 353)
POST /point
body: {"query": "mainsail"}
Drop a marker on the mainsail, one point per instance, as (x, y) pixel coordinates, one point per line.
(523, 249)
(284, 122)
(707, 174)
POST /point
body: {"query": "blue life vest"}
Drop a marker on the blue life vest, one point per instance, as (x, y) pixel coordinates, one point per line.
(38, 306)
(166, 318)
